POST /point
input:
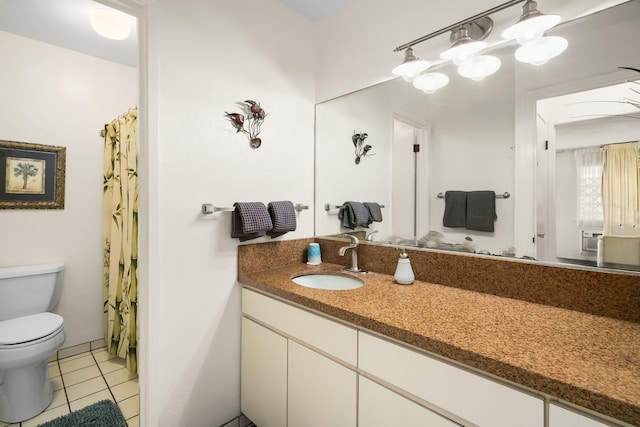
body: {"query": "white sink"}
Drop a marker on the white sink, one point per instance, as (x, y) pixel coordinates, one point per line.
(333, 282)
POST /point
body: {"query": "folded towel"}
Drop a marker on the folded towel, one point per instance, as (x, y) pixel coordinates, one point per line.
(375, 213)
(354, 214)
(283, 216)
(455, 209)
(481, 210)
(250, 220)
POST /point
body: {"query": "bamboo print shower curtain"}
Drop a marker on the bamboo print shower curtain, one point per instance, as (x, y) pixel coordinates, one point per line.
(120, 232)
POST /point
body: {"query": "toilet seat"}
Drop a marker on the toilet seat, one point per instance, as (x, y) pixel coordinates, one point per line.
(29, 330)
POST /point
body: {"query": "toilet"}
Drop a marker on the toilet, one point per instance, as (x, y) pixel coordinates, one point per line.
(29, 334)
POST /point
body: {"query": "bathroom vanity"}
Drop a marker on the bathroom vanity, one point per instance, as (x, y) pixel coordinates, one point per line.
(433, 354)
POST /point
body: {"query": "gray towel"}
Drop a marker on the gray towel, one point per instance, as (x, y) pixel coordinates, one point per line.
(283, 216)
(455, 209)
(481, 210)
(250, 220)
(354, 214)
(375, 213)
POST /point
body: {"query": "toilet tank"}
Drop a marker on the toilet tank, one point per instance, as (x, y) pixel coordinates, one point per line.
(29, 289)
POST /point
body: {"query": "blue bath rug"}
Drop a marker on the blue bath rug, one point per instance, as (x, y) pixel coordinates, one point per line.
(101, 414)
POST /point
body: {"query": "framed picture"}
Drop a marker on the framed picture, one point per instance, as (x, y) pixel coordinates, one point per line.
(31, 176)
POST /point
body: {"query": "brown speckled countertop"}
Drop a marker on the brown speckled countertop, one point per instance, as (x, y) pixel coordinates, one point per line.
(590, 360)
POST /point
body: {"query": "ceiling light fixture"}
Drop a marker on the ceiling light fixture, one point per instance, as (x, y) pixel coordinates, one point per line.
(411, 66)
(110, 23)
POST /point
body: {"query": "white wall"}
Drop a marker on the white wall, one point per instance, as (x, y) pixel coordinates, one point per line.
(54, 96)
(205, 56)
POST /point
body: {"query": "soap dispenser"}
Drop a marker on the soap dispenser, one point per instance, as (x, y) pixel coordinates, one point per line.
(404, 273)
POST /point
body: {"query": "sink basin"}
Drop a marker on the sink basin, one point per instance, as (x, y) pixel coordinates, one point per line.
(334, 282)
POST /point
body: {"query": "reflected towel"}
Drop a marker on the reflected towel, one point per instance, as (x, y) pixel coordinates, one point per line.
(283, 216)
(375, 213)
(354, 214)
(481, 210)
(250, 220)
(455, 209)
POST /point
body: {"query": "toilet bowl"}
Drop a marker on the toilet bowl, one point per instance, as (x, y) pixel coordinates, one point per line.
(25, 346)
(27, 339)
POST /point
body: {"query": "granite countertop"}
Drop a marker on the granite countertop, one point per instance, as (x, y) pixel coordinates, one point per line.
(589, 360)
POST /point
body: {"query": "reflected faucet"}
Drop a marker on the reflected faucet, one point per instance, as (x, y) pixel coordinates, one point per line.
(369, 237)
(355, 243)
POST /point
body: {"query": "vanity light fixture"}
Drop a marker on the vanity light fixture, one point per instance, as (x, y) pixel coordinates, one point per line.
(529, 31)
(531, 25)
(431, 81)
(538, 52)
(411, 66)
(467, 45)
(110, 23)
(479, 67)
(463, 48)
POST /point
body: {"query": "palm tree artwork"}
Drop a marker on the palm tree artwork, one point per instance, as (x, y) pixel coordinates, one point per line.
(24, 171)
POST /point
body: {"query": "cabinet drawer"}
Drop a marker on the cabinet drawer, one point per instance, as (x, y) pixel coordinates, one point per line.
(380, 407)
(462, 393)
(326, 335)
(561, 417)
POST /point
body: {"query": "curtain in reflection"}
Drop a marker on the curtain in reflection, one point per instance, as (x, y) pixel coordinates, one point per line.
(620, 185)
(120, 233)
(589, 170)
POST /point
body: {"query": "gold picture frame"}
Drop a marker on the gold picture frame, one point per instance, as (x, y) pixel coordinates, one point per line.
(32, 176)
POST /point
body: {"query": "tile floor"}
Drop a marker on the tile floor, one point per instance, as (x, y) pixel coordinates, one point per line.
(84, 379)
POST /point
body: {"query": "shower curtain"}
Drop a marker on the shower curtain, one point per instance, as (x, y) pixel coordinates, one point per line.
(620, 186)
(120, 237)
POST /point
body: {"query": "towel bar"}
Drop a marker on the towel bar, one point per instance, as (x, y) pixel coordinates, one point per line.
(208, 208)
(504, 195)
(328, 207)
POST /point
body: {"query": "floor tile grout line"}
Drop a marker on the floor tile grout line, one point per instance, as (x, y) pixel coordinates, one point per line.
(64, 386)
(103, 378)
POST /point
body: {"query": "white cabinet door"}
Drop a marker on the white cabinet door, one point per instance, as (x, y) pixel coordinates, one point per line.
(459, 392)
(561, 417)
(264, 375)
(380, 407)
(321, 393)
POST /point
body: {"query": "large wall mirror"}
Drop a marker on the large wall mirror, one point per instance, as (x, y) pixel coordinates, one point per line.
(515, 133)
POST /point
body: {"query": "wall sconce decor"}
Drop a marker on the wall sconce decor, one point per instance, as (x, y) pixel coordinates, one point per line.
(466, 50)
(253, 117)
(362, 149)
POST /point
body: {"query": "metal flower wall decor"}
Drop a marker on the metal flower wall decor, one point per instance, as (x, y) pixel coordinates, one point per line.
(253, 117)
(361, 149)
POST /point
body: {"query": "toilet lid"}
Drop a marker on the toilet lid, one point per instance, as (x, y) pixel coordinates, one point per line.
(29, 328)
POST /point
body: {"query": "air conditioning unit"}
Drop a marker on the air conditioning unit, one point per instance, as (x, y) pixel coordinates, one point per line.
(590, 241)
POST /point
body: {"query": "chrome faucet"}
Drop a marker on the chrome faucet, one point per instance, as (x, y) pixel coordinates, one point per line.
(369, 237)
(355, 243)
